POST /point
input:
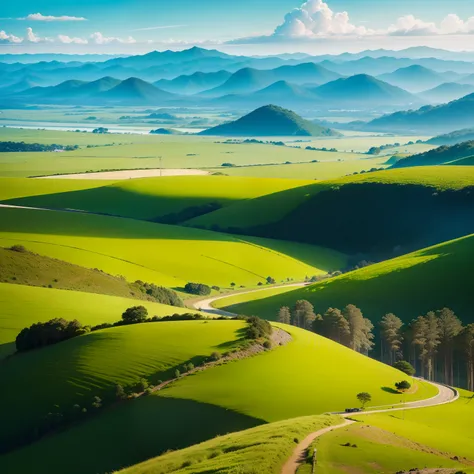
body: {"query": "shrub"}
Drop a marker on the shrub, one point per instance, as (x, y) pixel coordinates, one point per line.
(267, 344)
(403, 385)
(177, 373)
(405, 367)
(18, 248)
(97, 403)
(215, 356)
(270, 280)
(197, 289)
(258, 327)
(142, 385)
(148, 391)
(160, 294)
(216, 288)
(135, 314)
(120, 392)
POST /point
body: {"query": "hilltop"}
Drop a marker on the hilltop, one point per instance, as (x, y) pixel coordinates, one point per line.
(458, 136)
(428, 279)
(270, 120)
(447, 92)
(414, 78)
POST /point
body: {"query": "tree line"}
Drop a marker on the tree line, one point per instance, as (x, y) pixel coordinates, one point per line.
(8, 147)
(436, 344)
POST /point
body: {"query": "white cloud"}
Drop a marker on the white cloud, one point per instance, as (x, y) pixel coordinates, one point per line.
(31, 37)
(314, 20)
(6, 38)
(68, 40)
(99, 38)
(40, 17)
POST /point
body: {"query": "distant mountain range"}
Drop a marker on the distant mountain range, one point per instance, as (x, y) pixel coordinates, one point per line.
(453, 138)
(193, 83)
(447, 92)
(454, 115)
(270, 120)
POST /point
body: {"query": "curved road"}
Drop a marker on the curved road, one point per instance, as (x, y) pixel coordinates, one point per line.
(206, 304)
(445, 395)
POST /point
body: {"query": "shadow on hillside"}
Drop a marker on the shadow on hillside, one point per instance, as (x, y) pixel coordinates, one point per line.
(131, 432)
(390, 390)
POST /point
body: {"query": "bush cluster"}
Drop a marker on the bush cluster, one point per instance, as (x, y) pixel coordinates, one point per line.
(197, 289)
(160, 294)
(258, 328)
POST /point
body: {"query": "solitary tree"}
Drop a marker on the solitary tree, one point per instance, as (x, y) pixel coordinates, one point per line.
(364, 398)
(284, 315)
(135, 314)
(403, 385)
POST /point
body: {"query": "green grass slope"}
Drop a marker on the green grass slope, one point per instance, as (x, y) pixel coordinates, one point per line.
(310, 375)
(400, 210)
(146, 198)
(24, 305)
(162, 254)
(28, 268)
(431, 438)
(261, 449)
(74, 371)
(408, 286)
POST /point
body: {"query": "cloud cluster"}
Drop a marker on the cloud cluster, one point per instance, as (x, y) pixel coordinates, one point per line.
(40, 17)
(314, 19)
(32, 37)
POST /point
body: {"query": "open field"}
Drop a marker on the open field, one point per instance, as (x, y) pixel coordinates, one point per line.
(261, 449)
(279, 207)
(392, 442)
(25, 305)
(247, 386)
(429, 279)
(147, 198)
(75, 371)
(130, 174)
(162, 254)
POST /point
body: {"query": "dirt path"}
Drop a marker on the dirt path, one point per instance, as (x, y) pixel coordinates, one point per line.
(445, 395)
(206, 304)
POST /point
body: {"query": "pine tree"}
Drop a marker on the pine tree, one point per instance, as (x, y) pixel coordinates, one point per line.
(449, 327)
(284, 315)
(303, 312)
(432, 342)
(335, 326)
(466, 343)
(390, 328)
(361, 336)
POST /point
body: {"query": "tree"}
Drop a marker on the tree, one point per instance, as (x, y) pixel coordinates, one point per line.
(120, 392)
(197, 289)
(177, 373)
(405, 367)
(390, 330)
(97, 403)
(361, 336)
(419, 329)
(466, 343)
(284, 315)
(142, 385)
(335, 326)
(270, 280)
(303, 313)
(449, 327)
(403, 385)
(135, 314)
(432, 341)
(364, 398)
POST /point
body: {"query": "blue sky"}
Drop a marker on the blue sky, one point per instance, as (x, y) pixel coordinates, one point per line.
(242, 26)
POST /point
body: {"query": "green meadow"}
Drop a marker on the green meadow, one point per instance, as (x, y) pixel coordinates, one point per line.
(162, 254)
(429, 438)
(429, 279)
(24, 305)
(322, 375)
(143, 198)
(79, 369)
(261, 449)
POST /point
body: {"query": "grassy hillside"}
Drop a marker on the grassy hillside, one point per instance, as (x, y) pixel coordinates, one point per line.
(261, 449)
(402, 441)
(75, 371)
(161, 254)
(28, 268)
(24, 305)
(219, 400)
(146, 198)
(408, 286)
(394, 210)
(281, 375)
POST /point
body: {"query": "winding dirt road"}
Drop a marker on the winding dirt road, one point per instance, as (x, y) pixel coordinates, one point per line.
(206, 304)
(445, 395)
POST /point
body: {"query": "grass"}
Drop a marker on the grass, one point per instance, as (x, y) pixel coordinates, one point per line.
(275, 207)
(261, 449)
(389, 442)
(429, 279)
(310, 375)
(27, 268)
(75, 371)
(146, 198)
(24, 305)
(166, 255)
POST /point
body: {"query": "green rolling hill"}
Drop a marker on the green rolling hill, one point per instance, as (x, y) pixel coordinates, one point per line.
(407, 286)
(386, 212)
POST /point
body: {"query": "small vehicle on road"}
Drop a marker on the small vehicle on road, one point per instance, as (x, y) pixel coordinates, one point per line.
(353, 410)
